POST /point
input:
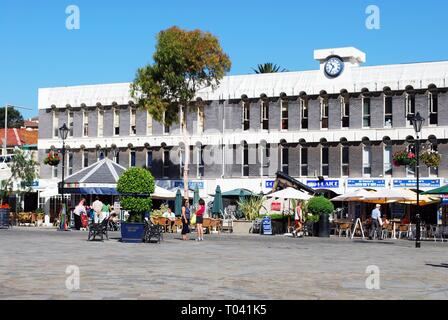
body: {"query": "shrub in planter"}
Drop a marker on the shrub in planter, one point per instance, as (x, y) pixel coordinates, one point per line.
(251, 207)
(321, 207)
(135, 187)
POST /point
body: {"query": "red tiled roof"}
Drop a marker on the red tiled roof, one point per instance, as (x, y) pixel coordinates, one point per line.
(19, 137)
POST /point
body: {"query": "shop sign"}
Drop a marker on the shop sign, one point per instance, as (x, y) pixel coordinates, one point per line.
(191, 185)
(370, 183)
(269, 184)
(412, 183)
(325, 184)
(276, 206)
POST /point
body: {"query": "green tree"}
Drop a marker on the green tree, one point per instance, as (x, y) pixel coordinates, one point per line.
(268, 67)
(23, 172)
(15, 118)
(184, 63)
(136, 185)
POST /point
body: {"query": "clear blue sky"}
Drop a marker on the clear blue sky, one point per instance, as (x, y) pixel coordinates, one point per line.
(117, 36)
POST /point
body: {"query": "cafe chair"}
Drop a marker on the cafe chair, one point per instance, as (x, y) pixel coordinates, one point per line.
(345, 228)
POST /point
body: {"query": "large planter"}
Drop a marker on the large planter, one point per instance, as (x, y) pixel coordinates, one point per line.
(242, 226)
(324, 226)
(132, 232)
(4, 218)
(279, 226)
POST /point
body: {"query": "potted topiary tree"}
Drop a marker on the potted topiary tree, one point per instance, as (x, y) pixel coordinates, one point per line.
(135, 187)
(321, 208)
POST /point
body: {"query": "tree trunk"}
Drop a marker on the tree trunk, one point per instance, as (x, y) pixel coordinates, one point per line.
(186, 151)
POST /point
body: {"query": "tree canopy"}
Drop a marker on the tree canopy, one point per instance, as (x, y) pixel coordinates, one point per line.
(268, 67)
(15, 118)
(24, 170)
(184, 62)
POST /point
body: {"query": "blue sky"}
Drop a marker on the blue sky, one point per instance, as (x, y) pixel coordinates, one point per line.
(116, 37)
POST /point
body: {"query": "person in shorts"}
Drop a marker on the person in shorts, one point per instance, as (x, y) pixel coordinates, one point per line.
(200, 220)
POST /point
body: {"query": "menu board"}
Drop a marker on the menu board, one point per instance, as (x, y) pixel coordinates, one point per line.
(267, 226)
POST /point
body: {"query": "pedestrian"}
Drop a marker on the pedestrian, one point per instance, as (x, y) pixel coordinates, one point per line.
(298, 226)
(80, 209)
(376, 223)
(97, 207)
(105, 211)
(185, 220)
(200, 220)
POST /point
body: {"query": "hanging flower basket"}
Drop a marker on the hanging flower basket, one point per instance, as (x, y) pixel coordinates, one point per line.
(52, 159)
(431, 158)
(404, 158)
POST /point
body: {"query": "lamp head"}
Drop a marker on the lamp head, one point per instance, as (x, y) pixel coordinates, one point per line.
(63, 131)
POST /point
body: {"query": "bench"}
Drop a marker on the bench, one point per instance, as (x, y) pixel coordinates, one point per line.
(153, 231)
(99, 229)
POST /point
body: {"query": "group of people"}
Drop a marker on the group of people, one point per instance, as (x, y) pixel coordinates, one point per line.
(96, 213)
(186, 219)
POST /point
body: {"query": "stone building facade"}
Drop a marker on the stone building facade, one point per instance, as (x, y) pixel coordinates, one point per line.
(332, 132)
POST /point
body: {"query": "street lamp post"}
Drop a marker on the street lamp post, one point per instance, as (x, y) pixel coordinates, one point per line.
(417, 122)
(63, 133)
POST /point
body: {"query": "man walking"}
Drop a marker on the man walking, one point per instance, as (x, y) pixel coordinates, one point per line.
(376, 225)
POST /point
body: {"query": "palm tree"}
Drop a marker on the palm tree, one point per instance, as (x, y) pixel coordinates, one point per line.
(268, 67)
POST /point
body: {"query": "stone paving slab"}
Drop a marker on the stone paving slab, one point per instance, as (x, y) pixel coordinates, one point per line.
(33, 265)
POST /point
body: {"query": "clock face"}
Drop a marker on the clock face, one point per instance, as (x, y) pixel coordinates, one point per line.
(334, 67)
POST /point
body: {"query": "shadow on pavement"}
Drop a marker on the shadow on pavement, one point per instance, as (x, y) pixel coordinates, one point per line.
(442, 265)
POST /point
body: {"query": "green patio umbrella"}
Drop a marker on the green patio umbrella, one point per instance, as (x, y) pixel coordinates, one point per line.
(196, 197)
(439, 191)
(178, 203)
(237, 193)
(217, 203)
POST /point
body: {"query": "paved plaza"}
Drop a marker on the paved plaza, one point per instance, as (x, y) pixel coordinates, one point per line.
(33, 265)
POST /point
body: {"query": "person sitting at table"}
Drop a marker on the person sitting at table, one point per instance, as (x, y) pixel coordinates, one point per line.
(169, 214)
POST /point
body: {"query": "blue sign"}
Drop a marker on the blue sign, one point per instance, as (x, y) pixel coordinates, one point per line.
(372, 183)
(191, 185)
(269, 184)
(412, 183)
(325, 184)
(267, 226)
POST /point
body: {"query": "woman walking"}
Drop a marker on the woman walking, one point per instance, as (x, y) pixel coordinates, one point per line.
(200, 220)
(185, 220)
(79, 211)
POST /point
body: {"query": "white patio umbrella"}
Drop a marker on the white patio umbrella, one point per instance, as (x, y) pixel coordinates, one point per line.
(161, 193)
(385, 196)
(353, 196)
(290, 194)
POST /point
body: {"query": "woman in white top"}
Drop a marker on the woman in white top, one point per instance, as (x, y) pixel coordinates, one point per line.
(79, 210)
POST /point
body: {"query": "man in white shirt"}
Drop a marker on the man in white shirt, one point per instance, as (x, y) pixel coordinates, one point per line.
(169, 214)
(97, 207)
